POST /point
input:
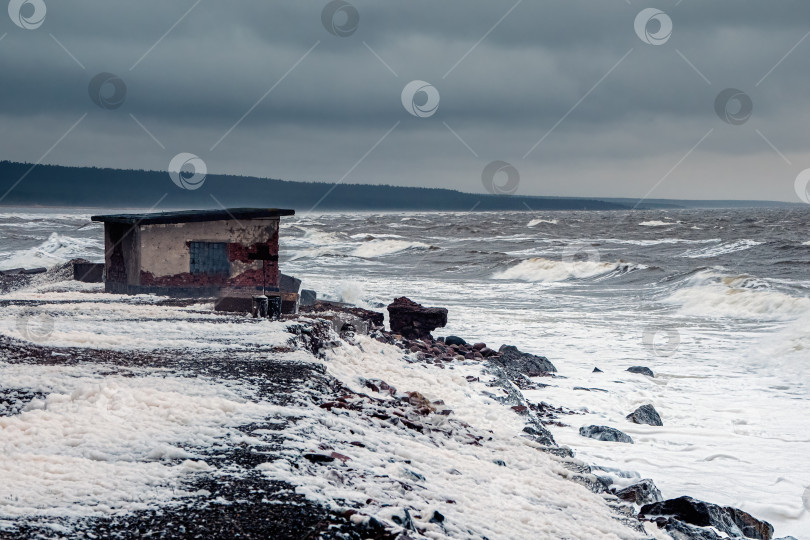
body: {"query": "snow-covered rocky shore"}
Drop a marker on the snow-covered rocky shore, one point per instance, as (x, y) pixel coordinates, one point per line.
(144, 416)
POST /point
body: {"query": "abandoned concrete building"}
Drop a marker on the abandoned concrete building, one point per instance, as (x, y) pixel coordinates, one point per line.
(230, 254)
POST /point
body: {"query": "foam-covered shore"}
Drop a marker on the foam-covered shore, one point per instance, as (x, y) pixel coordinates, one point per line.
(126, 410)
(127, 415)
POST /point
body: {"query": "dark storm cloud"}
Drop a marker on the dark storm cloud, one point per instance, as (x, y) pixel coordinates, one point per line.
(499, 95)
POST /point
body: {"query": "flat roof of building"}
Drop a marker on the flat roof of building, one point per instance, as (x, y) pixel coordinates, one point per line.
(190, 216)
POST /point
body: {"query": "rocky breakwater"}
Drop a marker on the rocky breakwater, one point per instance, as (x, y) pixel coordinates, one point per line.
(512, 371)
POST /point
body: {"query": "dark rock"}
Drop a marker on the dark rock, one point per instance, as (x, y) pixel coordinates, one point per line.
(597, 370)
(479, 346)
(531, 431)
(308, 297)
(640, 493)
(405, 522)
(641, 370)
(374, 528)
(516, 362)
(454, 340)
(319, 458)
(437, 517)
(499, 463)
(681, 531)
(314, 337)
(379, 385)
(414, 321)
(605, 433)
(728, 520)
(646, 414)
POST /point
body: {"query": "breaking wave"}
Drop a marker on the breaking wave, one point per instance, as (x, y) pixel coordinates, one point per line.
(743, 296)
(657, 223)
(379, 248)
(548, 270)
(535, 222)
(721, 249)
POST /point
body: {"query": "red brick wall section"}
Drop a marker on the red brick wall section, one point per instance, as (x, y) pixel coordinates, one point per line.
(236, 252)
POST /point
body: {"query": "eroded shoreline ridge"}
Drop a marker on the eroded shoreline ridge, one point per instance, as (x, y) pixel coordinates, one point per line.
(127, 416)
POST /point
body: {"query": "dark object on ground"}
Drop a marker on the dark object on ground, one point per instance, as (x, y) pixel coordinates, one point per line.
(605, 433)
(515, 361)
(88, 272)
(640, 493)
(414, 321)
(308, 297)
(260, 306)
(454, 340)
(438, 517)
(274, 307)
(406, 521)
(597, 370)
(289, 284)
(319, 458)
(728, 520)
(646, 414)
(236, 301)
(641, 370)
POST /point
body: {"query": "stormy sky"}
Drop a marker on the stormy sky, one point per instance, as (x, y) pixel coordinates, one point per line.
(582, 98)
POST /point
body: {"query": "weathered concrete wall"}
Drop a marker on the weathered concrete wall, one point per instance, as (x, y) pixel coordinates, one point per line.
(121, 257)
(165, 254)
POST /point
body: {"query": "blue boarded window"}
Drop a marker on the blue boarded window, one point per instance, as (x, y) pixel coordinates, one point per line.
(209, 258)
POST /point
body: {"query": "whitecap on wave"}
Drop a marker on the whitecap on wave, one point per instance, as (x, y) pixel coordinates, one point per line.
(379, 248)
(657, 223)
(535, 222)
(549, 270)
(721, 249)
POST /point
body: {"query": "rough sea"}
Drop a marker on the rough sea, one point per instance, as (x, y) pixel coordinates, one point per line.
(715, 302)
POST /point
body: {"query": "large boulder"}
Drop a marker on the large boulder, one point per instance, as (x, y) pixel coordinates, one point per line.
(640, 493)
(515, 361)
(414, 321)
(646, 414)
(725, 519)
(605, 433)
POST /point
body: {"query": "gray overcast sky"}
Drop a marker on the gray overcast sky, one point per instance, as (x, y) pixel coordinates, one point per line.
(616, 116)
